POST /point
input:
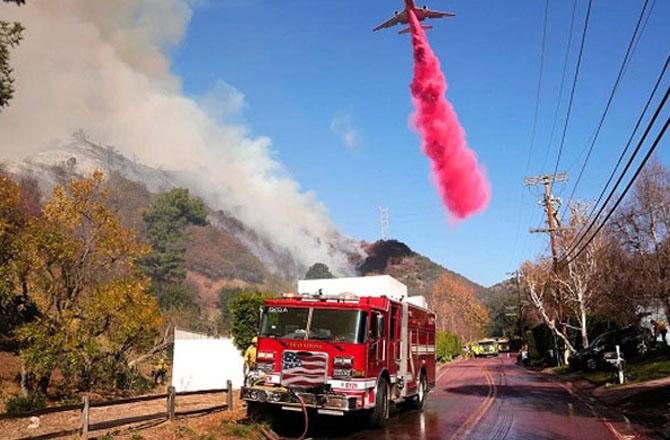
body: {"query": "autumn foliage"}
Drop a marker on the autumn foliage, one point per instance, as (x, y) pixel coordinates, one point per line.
(75, 264)
(458, 310)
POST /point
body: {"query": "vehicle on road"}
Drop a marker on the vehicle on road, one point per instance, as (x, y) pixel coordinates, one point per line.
(343, 345)
(402, 17)
(486, 347)
(503, 345)
(630, 340)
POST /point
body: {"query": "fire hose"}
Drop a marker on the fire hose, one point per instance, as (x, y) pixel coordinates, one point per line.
(271, 436)
(304, 412)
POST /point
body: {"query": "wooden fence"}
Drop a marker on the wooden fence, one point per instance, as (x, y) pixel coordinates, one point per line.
(171, 412)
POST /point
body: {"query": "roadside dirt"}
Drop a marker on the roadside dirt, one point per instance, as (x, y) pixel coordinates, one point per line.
(9, 367)
(18, 428)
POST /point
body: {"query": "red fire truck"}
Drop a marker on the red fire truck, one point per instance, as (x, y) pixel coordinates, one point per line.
(344, 345)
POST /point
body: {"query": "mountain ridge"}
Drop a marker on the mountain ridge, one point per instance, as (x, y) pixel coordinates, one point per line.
(226, 252)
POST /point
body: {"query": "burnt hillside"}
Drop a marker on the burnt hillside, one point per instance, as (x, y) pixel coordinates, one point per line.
(395, 258)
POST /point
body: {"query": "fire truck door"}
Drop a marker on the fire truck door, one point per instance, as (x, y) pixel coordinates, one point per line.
(394, 340)
(377, 348)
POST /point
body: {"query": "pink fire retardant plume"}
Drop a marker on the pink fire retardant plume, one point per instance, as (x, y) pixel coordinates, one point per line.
(461, 181)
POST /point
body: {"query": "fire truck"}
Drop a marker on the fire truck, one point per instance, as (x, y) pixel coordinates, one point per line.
(344, 345)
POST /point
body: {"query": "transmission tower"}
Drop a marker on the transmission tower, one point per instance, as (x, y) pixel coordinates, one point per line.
(384, 222)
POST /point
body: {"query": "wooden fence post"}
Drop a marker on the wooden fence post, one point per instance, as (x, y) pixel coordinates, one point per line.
(171, 403)
(229, 394)
(84, 417)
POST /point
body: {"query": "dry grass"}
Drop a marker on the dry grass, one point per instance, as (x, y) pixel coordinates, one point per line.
(216, 424)
(223, 425)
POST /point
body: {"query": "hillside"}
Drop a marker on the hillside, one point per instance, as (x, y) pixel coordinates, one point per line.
(223, 253)
(503, 303)
(285, 248)
(227, 252)
(215, 257)
(395, 258)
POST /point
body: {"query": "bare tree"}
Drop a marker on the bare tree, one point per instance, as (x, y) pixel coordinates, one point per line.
(578, 279)
(536, 282)
(642, 226)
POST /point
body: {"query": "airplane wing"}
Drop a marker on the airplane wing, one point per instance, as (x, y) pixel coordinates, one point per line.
(437, 14)
(398, 18)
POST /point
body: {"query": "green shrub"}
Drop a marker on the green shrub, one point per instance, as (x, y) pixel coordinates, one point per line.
(176, 297)
(16, 405)
(447, 346)
(244, 312)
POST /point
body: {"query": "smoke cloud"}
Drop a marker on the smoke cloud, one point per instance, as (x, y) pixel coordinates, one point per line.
(460, 180)
(101, 66)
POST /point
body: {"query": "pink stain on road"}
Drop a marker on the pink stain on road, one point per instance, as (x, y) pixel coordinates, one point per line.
(461, 181)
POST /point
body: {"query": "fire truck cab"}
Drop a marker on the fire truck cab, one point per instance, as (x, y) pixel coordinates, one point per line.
(343, 345)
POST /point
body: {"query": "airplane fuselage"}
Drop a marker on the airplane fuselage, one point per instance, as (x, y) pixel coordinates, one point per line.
(418, 12)
(421, 14)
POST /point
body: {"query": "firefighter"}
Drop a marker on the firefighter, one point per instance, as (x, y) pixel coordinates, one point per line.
(250, 356)
(662, 330)
(160, 371)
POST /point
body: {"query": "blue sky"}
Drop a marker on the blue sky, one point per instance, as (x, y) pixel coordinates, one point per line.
(334, 99)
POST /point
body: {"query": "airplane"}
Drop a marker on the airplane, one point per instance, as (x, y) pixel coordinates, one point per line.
(403, 17)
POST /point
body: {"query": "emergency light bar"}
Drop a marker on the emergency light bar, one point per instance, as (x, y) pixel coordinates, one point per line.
(376, 286)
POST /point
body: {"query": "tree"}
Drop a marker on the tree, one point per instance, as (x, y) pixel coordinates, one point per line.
(245, 314)
(502, 302)
(579, 277)
(537, 283)
(226, 296)
(165, 229)
(458, 310)
(642, 226)
(93, 307)
(11, 35)
(318, 271)
(19, 205)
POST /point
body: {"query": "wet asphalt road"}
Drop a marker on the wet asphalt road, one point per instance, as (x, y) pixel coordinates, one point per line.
(488, 399)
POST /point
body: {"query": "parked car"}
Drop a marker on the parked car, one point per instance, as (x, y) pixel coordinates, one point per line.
(630, 341)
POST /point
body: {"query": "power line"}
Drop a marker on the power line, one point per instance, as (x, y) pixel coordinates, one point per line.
(644, 25)
(615, 87)
(560, 89)
(574, 85)
(539, 86)
(623, 153)
(621, 176)
(632, 135)
(623, 194)
(534, 129)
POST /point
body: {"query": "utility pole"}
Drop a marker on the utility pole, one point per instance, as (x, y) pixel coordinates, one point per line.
(519, 314)
(384, 222)
(551, 206)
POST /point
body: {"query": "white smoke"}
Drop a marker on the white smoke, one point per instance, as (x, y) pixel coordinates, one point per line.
(101, 66)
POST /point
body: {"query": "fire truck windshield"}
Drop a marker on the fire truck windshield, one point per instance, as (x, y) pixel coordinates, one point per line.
(347, 326)
(338, 325)
(284, 322)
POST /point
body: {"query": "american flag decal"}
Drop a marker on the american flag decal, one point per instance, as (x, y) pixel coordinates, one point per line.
(303, 369)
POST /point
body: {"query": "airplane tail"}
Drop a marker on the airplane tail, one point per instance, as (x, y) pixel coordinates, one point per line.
(407, 30)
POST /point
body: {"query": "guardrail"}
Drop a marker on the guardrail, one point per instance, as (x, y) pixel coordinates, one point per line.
(86, 426)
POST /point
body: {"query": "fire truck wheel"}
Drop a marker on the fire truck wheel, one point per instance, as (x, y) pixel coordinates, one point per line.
(380, 413)
(422, 390)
